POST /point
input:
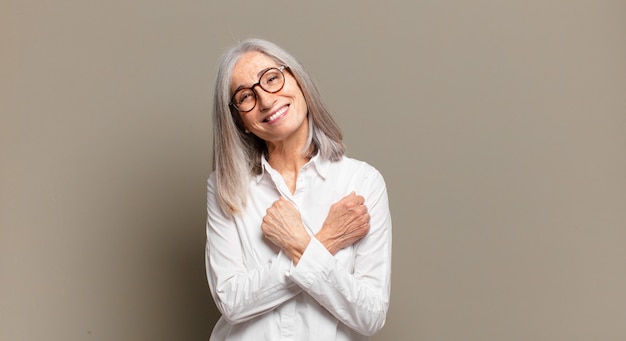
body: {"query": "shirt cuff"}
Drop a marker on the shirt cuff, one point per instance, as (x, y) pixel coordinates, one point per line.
(314, 265)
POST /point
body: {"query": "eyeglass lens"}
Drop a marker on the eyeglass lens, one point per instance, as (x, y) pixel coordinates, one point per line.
(271, 81)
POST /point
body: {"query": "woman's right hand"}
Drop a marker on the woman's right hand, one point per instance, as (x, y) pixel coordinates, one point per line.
(347, 222)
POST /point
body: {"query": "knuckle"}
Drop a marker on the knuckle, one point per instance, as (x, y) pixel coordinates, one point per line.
(364, 218)
(365, 228)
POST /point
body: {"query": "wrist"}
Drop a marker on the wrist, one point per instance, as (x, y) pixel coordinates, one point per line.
(297, 251)
(329, 243)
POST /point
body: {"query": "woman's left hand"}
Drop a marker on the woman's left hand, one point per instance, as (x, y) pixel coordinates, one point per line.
(282, 225)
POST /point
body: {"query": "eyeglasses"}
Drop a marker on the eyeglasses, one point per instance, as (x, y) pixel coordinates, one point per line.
(271, 81)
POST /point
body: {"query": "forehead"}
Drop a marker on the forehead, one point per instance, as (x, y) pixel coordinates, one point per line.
(247, 68)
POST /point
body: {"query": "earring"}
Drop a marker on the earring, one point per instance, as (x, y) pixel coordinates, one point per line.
(247, 131)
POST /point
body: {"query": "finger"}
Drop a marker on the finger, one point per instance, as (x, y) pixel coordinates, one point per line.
(351, 199)
(349, 196)
(360, 199)
(282, 202)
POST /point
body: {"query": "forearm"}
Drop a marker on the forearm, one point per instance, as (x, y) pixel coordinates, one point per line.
(360, 302)
(243, 294)
(353, 283)
(243, 285)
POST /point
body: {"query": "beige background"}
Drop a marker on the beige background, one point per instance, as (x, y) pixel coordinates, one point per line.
(499, 126)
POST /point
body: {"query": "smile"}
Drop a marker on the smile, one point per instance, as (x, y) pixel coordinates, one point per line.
(275, 116)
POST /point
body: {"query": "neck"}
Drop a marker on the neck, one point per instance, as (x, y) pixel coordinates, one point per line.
(287, 157)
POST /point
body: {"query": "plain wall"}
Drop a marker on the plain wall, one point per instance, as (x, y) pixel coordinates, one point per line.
(500, 127)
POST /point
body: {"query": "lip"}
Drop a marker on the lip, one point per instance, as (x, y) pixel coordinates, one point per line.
(273, 117)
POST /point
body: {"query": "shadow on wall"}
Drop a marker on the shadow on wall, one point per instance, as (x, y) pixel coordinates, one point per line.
(195, 298)
(197, 313)
(167, 268)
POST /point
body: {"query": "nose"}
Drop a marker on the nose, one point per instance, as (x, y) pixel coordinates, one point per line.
(265, 100)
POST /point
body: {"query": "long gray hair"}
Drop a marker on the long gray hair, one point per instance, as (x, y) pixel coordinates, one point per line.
(237, 155)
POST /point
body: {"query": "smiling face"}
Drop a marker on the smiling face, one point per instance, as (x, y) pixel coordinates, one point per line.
(277, 117)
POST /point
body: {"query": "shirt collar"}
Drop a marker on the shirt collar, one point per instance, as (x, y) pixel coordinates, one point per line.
(321, 166)
(264, 165)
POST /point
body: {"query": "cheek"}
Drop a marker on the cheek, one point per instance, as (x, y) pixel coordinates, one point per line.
(295, 90)
(305, 106)
(301, 100)
(242, 122)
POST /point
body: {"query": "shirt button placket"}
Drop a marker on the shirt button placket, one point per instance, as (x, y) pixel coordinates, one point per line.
(287, 322)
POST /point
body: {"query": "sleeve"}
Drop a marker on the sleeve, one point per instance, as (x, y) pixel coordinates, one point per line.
(358, 298)
(239, 291)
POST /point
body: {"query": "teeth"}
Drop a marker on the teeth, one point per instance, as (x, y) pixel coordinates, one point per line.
(276, 114)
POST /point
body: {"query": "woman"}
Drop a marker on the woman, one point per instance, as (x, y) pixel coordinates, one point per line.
(298, 235)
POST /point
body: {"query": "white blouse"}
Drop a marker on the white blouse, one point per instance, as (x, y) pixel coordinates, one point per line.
(263, 296)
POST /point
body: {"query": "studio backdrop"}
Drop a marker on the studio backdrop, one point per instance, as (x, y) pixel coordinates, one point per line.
(499, 127)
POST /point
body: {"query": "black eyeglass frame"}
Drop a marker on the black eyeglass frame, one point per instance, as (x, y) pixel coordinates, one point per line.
(280, 69)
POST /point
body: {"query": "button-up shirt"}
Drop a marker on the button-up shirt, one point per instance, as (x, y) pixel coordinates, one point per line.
(262, 295)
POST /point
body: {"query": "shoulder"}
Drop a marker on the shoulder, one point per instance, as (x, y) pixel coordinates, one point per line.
(364, 179)
(359, 173)
(357, 167)
(212, 180)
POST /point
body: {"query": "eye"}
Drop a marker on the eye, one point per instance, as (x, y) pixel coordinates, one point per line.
(243, 96)
(271, 77)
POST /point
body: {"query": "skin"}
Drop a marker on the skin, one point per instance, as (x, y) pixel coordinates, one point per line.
(280, 119)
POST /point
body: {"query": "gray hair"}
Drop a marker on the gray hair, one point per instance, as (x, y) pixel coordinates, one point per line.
(237, 155)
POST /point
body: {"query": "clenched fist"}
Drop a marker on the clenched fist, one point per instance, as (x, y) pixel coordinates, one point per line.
(348, 221)
(282, 225)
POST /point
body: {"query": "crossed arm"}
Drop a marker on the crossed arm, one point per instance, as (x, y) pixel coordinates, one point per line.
(347, 222)
(358, 297)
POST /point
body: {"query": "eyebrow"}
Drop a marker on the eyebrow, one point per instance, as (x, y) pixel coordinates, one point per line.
(258, 76)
